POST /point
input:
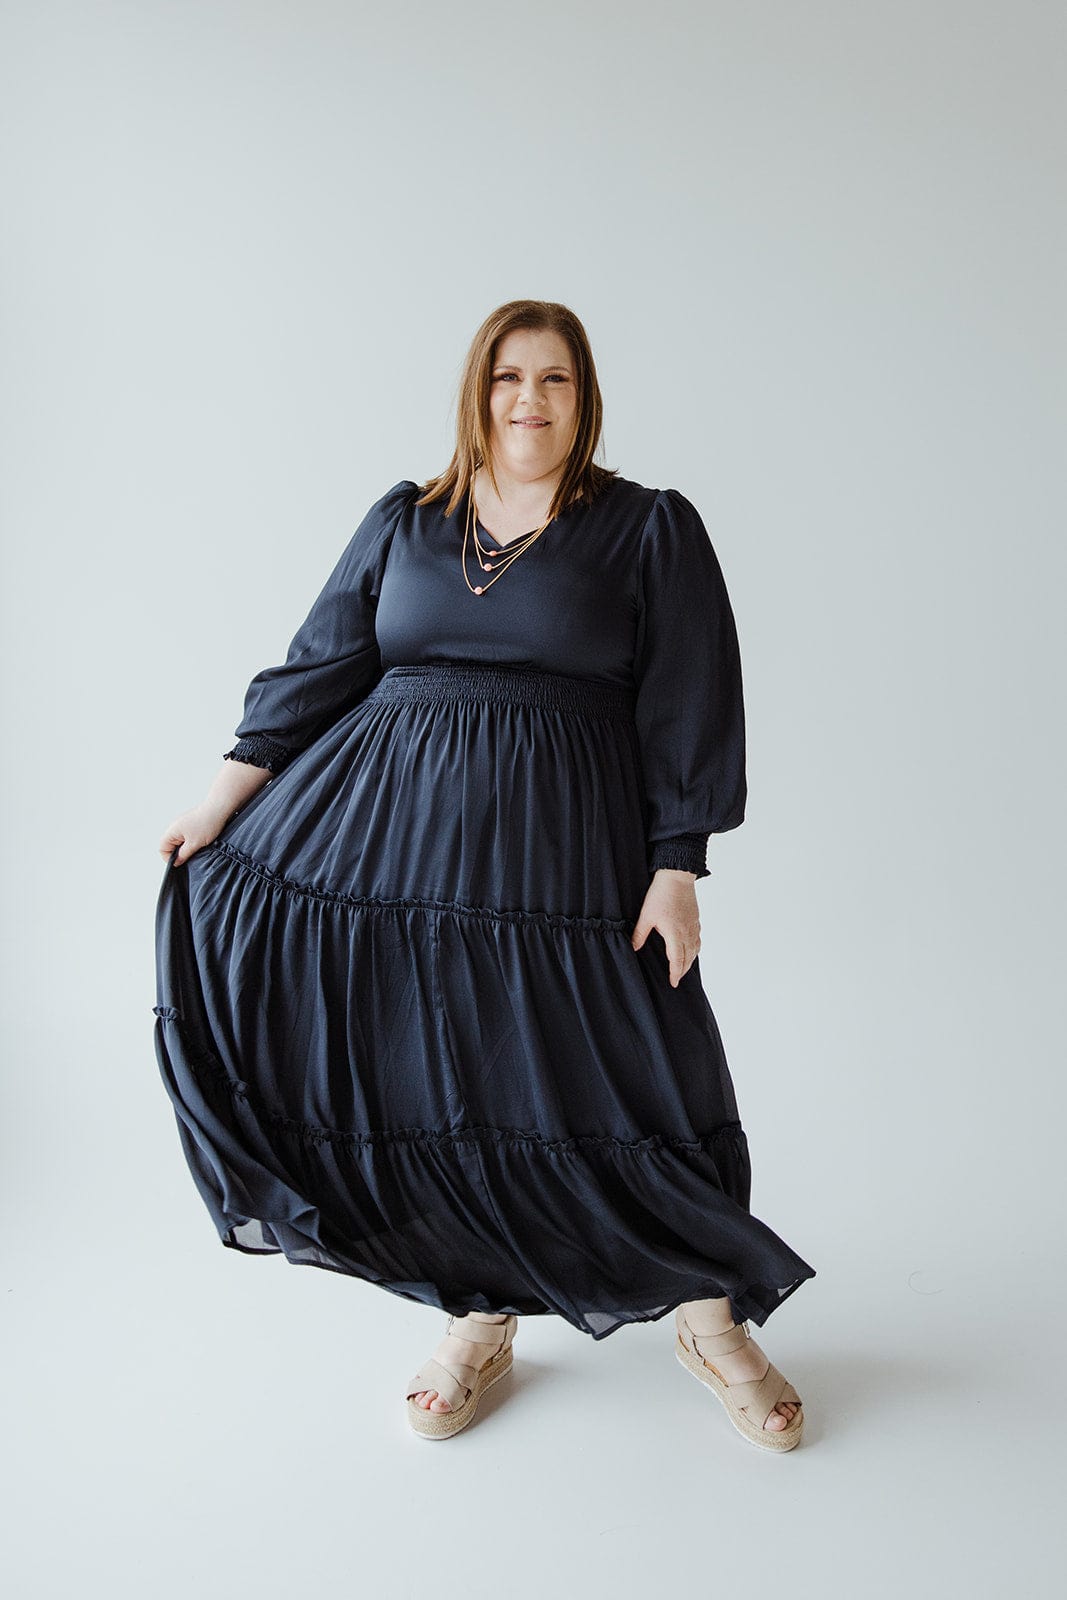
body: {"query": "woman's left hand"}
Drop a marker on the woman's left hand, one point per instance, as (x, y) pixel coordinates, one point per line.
(670, 906)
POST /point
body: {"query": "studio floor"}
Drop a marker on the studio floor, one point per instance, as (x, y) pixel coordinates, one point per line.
(185, 1420)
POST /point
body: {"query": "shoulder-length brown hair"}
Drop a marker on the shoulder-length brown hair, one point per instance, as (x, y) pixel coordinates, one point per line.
(582, 478)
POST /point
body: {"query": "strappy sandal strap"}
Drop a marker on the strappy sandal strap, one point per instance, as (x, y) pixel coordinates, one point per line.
(456, 1383)
(455, 1386)
(708, 1345)
(483, 1332)
(757, 1397)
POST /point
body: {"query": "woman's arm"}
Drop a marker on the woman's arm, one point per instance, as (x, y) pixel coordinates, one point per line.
(332, 663)
(232, 787)
(690, 719)
(333, 660)
(690, 702)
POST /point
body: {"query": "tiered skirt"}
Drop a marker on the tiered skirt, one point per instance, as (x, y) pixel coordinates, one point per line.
(406, 1036)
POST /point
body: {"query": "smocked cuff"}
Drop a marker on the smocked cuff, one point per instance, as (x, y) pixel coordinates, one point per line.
(259, 751)
(686, 852)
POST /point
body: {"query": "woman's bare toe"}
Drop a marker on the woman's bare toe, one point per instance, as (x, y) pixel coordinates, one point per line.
(781, 1416)
(430, 1400)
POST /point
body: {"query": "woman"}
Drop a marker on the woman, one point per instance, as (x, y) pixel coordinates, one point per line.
(410, 1016)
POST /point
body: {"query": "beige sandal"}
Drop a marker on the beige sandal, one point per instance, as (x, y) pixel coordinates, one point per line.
(749, 1404)
(464, 1386)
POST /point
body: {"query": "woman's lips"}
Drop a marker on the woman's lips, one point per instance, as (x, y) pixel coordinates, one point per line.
(528, 422)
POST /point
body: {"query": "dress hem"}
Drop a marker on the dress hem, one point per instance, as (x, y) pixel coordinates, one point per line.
(306, 1238)
(742, 1308)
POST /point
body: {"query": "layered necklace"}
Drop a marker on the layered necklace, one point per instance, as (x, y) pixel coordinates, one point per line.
(513, 551)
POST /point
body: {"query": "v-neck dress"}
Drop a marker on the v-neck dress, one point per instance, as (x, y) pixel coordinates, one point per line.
(399, 1015)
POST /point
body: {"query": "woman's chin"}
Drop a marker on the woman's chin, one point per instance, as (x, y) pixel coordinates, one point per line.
(532, 452)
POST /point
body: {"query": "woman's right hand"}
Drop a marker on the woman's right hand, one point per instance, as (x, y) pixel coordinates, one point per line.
(192, 831)
(234, 785)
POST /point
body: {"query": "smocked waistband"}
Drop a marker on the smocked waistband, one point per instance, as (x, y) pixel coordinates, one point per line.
(446, 680)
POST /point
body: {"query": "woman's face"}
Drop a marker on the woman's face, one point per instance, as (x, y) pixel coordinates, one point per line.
(533, 403)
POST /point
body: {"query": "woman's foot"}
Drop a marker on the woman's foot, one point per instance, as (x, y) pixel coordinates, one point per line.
(453, 1350)
(715, 1316)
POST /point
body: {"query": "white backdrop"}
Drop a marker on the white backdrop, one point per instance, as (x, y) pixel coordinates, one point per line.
(819, 251)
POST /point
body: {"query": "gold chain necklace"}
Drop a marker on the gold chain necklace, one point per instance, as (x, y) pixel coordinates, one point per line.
(520, 544)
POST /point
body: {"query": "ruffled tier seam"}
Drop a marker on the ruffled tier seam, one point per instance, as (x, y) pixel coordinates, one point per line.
(305, 891)
(315, 1133)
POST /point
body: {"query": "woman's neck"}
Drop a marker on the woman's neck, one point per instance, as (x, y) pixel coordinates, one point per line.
(518, 500)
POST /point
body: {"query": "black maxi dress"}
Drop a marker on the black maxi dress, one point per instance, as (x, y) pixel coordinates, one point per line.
(399, 1016)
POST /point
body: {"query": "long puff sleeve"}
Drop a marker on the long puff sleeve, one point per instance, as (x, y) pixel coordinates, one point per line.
(333, 661)
(690, 703)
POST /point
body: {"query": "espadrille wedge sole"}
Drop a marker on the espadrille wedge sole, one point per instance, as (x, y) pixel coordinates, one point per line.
(749, 1404)
(463, 1385)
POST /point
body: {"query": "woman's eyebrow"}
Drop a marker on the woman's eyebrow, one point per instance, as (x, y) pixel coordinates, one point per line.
(511, 366)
